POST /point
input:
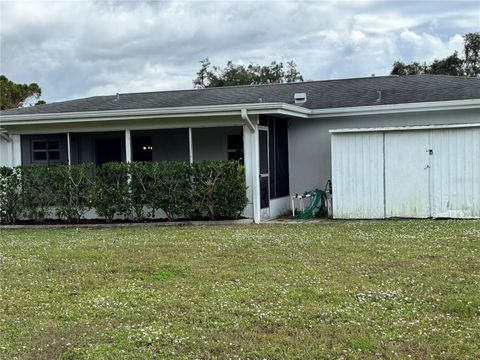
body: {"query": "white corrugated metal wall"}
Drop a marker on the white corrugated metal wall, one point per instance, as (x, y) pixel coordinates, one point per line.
(416, 172)
(358, 172)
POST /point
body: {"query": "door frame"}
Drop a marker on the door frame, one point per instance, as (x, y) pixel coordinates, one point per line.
(397, 189)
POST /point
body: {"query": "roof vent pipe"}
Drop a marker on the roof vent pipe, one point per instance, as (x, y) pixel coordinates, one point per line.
(379, 96)
(300, 98)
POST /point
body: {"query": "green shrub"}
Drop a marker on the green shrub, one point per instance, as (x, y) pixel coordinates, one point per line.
(218, 189)
(141, 178)
(112, 193)
(170, 188)
(9, 194)
(74, 190)
(211, 188)
(229, 198)
(36, 192)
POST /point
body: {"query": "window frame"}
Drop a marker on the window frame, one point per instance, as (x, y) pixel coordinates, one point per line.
(46, 149)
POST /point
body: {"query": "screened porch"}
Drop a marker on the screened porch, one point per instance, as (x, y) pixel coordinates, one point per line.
(184, 144)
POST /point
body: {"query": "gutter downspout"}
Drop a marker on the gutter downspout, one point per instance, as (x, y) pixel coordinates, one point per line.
(190, 146)
(251, 164)
(244, 114)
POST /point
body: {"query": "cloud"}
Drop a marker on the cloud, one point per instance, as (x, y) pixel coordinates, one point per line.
(426, 47)
(83, 48)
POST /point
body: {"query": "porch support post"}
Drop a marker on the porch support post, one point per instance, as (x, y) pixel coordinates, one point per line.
(190, 146)
(69, 151)
(16, 150)
(252, 171)
(128, 146)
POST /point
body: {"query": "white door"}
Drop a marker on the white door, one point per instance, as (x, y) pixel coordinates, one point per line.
(407, 174)
(455, 185)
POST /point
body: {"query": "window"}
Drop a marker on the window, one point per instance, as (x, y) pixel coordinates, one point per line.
(53, 150)
(235, 147)
(44, 151)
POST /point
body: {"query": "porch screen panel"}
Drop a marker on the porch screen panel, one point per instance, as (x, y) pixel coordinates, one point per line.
(97, 147)
(263, 152)
(171, 144)
(108, 150)
(142, 148)
(160, 145)
(278, 151)
(282, 185)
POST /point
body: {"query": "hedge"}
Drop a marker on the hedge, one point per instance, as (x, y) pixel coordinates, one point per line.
(136, 191)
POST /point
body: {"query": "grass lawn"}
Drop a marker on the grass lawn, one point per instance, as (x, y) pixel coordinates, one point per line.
(327, 290)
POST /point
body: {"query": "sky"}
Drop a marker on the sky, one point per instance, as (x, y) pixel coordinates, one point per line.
(84, 48)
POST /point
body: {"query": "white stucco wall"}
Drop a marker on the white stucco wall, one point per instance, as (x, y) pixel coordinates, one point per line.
(5, 152)
(310, 141)
(10, 151)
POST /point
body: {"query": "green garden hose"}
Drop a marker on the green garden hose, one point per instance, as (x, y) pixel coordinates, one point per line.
(314, 206)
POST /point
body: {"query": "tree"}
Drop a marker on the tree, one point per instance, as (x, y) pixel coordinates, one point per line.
(471, 50)
(469, 65)
(14, 95)
(233, 74)
(451, 65)
(400, 68)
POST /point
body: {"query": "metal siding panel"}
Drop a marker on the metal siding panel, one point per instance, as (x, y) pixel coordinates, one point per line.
(456, 173)
(407, 174)
(357, 176)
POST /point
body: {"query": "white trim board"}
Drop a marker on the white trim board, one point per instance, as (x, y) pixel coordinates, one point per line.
(397, 108)
(404, 128)
(280, 206)
(152, 113)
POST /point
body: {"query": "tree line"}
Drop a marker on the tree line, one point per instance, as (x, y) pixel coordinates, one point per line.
(467, 64)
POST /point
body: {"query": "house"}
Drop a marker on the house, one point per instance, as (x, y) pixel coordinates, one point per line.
(393, 146)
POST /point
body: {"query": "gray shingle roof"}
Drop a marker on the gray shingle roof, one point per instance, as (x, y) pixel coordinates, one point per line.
(320, 94)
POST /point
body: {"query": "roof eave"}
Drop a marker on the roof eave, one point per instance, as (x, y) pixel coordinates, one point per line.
(234, 110)
(186, 111)
(397, 108)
